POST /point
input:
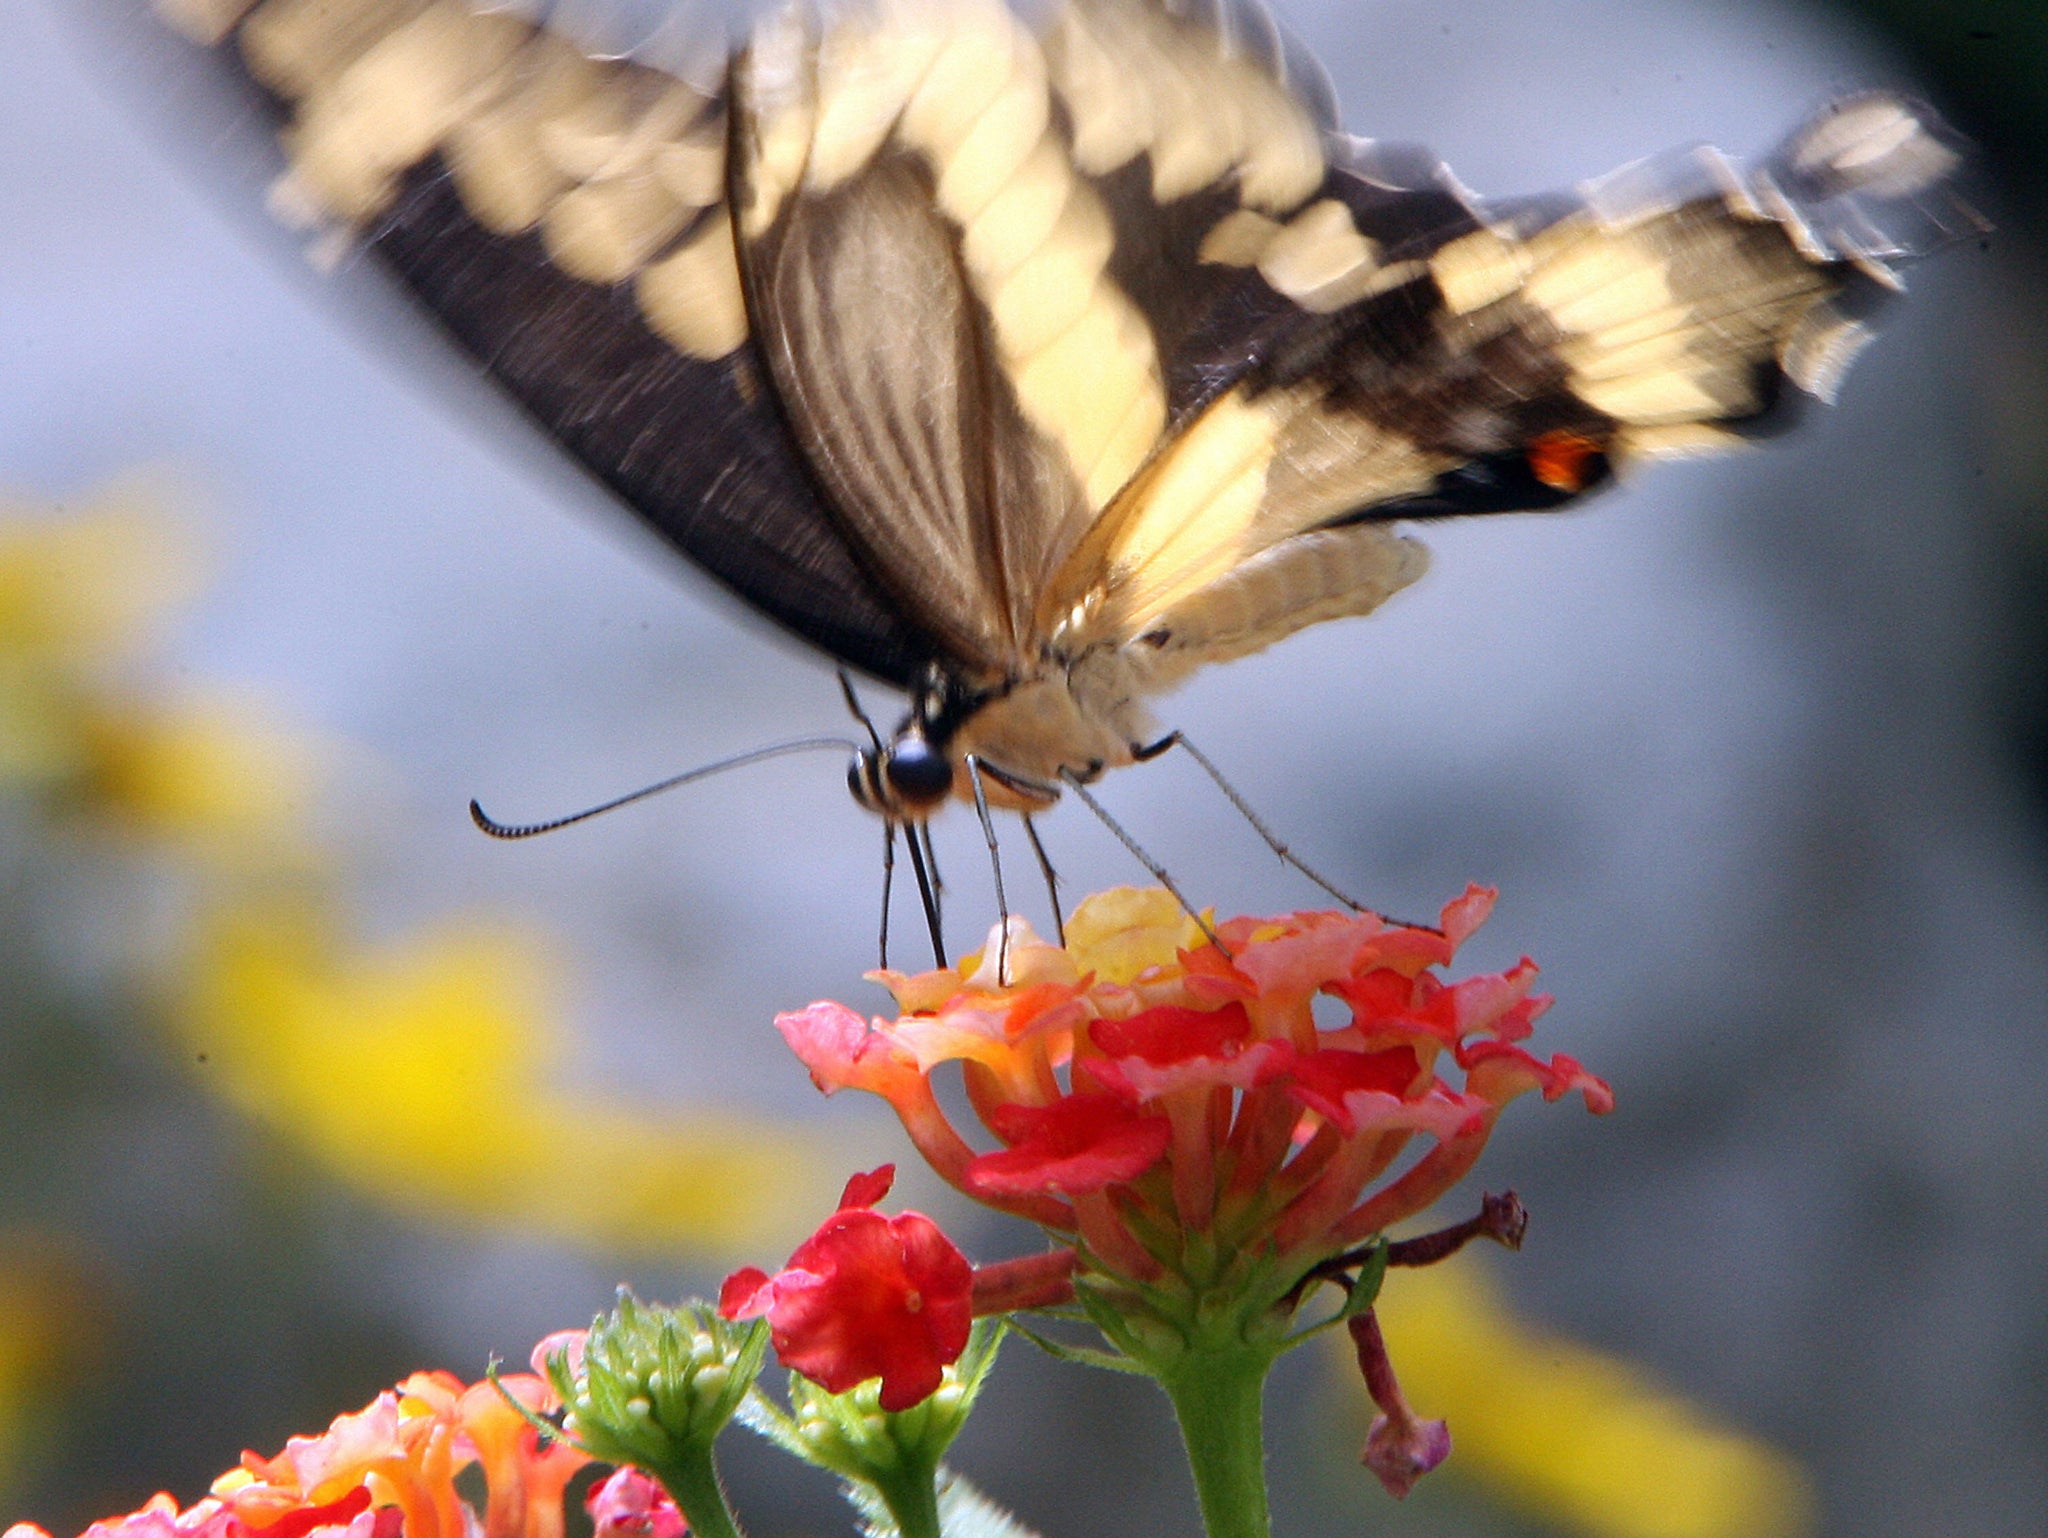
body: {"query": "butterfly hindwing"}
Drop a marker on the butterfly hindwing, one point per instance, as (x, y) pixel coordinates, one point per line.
(1493, 360)
(878, 230)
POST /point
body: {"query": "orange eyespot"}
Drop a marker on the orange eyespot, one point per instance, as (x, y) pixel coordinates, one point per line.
(1560, 460)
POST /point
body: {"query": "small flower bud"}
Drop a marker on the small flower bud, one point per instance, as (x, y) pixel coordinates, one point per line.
(637, 1389)
(855, 1436)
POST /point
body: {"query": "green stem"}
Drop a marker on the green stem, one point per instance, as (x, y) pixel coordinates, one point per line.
(912, 1496)
(693, 1480)
(1217, 1397)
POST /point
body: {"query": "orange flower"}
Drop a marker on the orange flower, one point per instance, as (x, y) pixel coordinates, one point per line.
(1161, 1097)
(384, 1471)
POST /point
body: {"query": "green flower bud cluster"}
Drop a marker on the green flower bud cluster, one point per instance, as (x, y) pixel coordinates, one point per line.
(893, 1456)
(652, 1386)
(852, 1435)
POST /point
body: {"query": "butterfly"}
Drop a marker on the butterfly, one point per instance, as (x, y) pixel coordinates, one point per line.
(1031, 360)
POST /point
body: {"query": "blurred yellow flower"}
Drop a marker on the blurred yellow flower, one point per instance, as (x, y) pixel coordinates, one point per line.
(1567, 1434)
(43, 1335)
(77, 592)
(426, 1076)
(82, 585)
(81, 594)
(215, 772)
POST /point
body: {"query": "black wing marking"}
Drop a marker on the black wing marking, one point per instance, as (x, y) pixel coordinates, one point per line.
(562, 218)
(1180, 117)
(696, 448)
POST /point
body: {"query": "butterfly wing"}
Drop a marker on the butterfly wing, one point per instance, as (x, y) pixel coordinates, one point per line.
(944, 337)
(983, 260)
(933, 277)
(1478, 360)
(563, 217)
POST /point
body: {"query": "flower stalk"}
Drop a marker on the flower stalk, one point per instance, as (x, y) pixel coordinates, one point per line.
(1217, 1389)
(691, 1479)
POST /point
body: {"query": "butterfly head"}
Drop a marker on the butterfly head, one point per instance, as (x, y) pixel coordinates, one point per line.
(908, 777)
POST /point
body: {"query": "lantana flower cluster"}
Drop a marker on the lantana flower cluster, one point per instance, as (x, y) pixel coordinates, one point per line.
(390, 1470)
(1210, 1120)
(1163, 1099)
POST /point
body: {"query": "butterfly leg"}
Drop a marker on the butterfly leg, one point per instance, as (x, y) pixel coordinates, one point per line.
(931, 859)
(1032, 791)
(1052, 878)
(888, 881)
(925, 894)
(995, 862)
(858, 710)
(1244, 810)
(1157, 871)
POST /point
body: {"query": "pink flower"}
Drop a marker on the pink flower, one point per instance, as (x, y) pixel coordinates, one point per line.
(630, 1504)
(1171, 1103)
(865, 1297)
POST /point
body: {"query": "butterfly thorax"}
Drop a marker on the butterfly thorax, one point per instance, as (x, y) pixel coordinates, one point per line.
(1071, 719)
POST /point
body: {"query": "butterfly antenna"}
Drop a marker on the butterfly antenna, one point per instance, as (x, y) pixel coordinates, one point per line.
(995, 862)
(511, 830)
(1052, 878)
(1244, 810)
(922, 870)
(1157, 871)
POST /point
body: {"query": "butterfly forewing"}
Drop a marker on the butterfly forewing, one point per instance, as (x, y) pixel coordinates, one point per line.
(564, 218)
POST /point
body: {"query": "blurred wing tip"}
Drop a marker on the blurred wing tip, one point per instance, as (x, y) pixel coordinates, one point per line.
(1877, 143)
(1870, 178)
(1397, 165)
(202, 21)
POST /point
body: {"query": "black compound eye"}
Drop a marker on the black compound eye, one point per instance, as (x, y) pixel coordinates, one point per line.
(918, 772)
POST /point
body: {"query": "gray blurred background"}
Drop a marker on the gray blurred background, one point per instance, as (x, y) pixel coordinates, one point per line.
(1755, 749)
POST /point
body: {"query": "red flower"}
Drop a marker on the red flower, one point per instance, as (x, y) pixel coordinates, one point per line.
(1155, 1053)
(865, 1297)
(1077, 1145)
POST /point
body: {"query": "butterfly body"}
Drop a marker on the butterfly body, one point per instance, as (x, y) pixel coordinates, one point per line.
(1031, 363)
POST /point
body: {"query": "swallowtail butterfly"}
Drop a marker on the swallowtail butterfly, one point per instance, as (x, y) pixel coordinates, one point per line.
(1029, 359)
